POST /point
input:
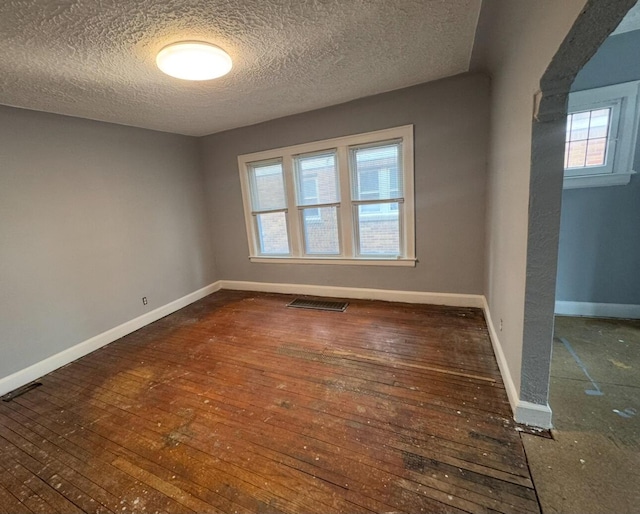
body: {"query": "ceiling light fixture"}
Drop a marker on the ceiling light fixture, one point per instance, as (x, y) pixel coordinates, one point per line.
(194, 60)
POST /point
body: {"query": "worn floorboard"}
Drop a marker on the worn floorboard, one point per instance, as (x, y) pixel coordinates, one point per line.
(240, 404)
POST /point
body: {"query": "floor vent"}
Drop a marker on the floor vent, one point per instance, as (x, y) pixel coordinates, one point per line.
(319, 305)
(21, 390)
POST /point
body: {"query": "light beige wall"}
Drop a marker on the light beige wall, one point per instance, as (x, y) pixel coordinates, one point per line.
(93, 217)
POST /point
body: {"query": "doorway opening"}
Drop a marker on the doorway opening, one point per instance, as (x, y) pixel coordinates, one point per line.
(592, 463)
(595, 371)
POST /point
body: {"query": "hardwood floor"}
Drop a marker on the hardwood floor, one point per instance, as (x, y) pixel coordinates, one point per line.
(239, 404)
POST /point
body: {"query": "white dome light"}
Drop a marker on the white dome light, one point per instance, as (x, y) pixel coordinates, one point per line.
(193, 60)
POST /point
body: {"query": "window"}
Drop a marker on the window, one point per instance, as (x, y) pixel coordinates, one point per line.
(269, 202)
(600, 136)
(586, 140)
(317, 179)
(376, 195)
(347, 200)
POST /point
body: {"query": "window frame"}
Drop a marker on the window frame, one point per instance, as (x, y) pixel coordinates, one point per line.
(252, 179)
(611, 138)
(385, 212)
(345, 205)
(622, 99)
(303, 206)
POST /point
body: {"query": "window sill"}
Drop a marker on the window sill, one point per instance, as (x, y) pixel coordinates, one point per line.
(336, 260)
(609, 179)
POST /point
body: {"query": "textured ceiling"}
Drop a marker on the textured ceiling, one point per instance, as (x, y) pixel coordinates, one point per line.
(96, 58)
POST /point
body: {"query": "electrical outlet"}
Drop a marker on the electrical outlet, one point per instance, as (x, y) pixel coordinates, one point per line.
(144, 302)
(500, 324)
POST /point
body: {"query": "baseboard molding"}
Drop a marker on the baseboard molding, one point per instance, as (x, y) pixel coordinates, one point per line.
(598, 310)
(389, 295)
(533, 414)
(523, 412)
(510, 386)
(64, 357)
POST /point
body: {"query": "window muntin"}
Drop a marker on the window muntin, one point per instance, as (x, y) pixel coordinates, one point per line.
(339, 194)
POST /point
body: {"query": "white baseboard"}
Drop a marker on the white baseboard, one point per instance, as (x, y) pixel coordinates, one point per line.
(510, 386)
(598, 310)
(523, 412)
(533, 414)
(389, 295)
(64, 357)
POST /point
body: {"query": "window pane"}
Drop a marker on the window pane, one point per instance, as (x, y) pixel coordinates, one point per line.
(317, 178)
(577, 154)
(379, 233)
(596, 152)
(599, 125)
(321, 231)
(377, 172)
(267, 186)
(272, 233)
(310, 194)
(580, 126)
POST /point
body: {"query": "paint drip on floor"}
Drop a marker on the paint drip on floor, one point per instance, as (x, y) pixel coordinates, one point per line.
(591, 392)
(626, 413)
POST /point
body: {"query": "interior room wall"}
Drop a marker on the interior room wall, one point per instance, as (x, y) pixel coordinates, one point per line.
(600, 245)
(515, 42)
(599, 239)
(616, 61)
(93, 216)
(451, 125)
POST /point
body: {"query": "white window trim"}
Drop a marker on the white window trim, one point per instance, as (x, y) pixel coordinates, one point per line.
(624, 100)
(345, 223)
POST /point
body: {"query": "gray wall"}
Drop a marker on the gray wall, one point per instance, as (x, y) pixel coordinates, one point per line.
(599, 238)
(451, 126)
(616, 61)
(93, 216)
(515, 42)
(599, 250)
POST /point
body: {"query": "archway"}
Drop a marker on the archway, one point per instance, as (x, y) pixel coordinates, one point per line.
(596, 21)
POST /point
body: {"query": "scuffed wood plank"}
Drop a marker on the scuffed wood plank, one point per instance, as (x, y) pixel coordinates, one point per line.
(238, 404)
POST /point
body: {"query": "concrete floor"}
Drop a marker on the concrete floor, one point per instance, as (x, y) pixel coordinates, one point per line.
(593, 463)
